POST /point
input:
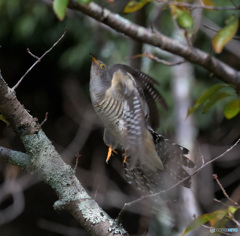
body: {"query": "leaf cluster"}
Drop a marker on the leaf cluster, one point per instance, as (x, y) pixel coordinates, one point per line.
(216, 219)
(216, 93)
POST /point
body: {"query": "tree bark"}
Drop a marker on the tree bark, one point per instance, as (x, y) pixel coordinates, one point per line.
(42, 159)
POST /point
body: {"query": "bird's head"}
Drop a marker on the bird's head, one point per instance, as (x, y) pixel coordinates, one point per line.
(98, 69)
(100, 79)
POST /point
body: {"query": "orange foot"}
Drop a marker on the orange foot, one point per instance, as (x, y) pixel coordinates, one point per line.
(110, 150)
(125, 158)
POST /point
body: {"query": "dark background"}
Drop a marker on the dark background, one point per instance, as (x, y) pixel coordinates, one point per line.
(59, 85)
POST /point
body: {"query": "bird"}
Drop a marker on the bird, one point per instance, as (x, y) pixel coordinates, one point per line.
(125, 99)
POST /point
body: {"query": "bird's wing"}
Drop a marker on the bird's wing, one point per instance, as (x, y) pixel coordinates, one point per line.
(135, 109)
(146, 84)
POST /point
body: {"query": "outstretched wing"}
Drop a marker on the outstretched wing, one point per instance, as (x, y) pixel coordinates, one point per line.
(135, 138)
(135, 109)
(146, 84)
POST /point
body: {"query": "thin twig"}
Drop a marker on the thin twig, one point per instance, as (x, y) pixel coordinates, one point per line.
(76, 163)
(233, 3)
(196, 171)
(234, 37)
(236, 221)
(45, 119)
(38, 59)
(151, 56)
(203, 6)
(203, 161)
(223, 190)
(178, 183)
(34, 56)
(224, 204)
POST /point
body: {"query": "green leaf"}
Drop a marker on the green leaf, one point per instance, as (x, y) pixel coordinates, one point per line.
(206, 96)
(210, 217)
(208, 3)
(232, 209)
(83, 1)
(216, 97)
(59, 7)
(224, 35)
(217, 219)
(217, 216)
(232, 109)
(133, 5)
(2, 118)
(183, 17)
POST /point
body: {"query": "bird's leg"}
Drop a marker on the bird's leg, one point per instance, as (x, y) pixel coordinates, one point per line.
(110, 150)
(125, 158)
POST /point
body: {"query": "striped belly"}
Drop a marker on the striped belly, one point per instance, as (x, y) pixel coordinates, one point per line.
(111, 113)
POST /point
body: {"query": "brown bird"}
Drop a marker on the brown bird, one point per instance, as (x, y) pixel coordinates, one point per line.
(125, 100)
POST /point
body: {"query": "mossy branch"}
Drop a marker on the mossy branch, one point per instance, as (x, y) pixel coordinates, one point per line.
(42, 159)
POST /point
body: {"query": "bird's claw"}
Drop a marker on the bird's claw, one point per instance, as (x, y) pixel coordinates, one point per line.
(110, 153)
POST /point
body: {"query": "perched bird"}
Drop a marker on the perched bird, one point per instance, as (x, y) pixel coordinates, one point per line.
(125, 100)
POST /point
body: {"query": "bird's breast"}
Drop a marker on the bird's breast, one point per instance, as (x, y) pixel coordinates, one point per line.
(110, 112)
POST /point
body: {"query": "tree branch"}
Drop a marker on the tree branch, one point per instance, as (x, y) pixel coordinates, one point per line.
(38, 59)
(42, 159)
(203, 6)
(14, 157)
(194, 55)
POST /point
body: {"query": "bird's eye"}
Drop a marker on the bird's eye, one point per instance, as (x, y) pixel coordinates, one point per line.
(102, 66)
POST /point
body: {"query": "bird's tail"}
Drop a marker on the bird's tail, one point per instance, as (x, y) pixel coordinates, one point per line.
(174, 162)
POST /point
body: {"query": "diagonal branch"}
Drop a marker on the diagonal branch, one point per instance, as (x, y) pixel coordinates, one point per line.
(14, 157)
(38, 59)
(42, 159)
(194, 55)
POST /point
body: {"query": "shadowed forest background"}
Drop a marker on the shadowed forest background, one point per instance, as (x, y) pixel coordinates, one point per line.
(59, 86)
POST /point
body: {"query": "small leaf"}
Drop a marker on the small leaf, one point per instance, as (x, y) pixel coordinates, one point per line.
(216, 97)
(205, 97)
(2, 118)
(217, 219)
(182, 16)
(224, 35)
(84, 1)
(133, 5)
(202, 219)
(232, 109)
(217, 216)
(232, 209)
(208, 3)
(59, 7)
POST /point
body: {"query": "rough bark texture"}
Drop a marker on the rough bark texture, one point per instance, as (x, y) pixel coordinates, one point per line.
(42, 159)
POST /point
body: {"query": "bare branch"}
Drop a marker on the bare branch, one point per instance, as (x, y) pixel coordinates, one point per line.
(34, 56)
(38, 59)
(151, 56)
(207, 27)
(120, 24)
(49, 166)
(223, 190)
(76, 163)
(45, 119)
(203, 6)
(224, 204)
(14, 157)
(235, 221)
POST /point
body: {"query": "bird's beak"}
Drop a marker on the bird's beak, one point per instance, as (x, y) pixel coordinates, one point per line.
(94, 59)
